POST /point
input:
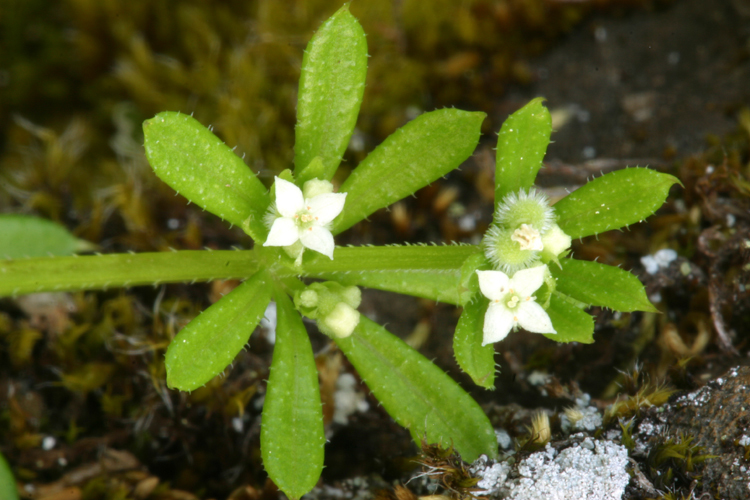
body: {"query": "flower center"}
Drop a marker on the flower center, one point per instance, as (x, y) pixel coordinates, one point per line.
(305, 220)
(513, 302)
(515, 299)
(528, 238)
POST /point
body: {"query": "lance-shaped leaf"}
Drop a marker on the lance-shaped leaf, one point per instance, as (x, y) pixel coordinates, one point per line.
(571, 322)
(521, 145)
(196, 164)
(474, 358)
(8, 490)
(415, 155)
(330, 93)
(600, 285)
(212, 340)
(292, 437)
(418, 394)
(91, 272)
(612, 201)
(430, 272)
(27, 236)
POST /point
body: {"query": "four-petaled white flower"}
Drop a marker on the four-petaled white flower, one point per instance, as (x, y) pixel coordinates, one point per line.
(512, 303)
(304, 220)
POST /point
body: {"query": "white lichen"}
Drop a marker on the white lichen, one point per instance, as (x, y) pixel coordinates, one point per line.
(659, 260)
(576, 473)
(347, 399)
(493, 475)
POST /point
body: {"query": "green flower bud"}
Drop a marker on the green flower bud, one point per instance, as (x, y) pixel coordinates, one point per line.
(555, 242)
(341, 321)
(315, 187)
(308, 298)
(352, 296)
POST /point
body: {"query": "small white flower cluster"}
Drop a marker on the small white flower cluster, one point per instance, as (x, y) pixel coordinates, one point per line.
(512, 303)
(523, 234)
(304, 218)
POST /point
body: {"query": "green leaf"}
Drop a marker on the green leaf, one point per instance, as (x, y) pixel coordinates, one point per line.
(418, 394)
(206, 346)
(330, 92)
(600, 285)
(430, 272)
(292, 437)
(8, 490)
(90, 272)
(474, 358)
(196, 164)
(521, 145)
(612, 201)
(572, 323)
(415, 155)
(27, 236)
(469, 287)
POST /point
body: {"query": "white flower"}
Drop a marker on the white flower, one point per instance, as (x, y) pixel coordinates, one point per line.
(512, 303)
(306, 220)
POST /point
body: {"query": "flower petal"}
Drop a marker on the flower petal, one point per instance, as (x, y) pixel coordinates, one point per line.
(498, 321)
(289, 199)
(319, 239)
(325, 207)
(493, 284)
(283, 232)
(533, 318)
(528, 281)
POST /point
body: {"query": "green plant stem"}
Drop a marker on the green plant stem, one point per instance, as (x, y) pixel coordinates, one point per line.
(390, 258)
(430, 272)
(58, 274)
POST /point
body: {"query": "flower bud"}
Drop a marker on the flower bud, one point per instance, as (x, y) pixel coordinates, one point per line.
(555, 242)
(341, 321)
(352, 296)
(308, 298)
(315, 187)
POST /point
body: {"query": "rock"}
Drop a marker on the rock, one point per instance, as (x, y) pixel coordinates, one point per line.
(717, 417)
